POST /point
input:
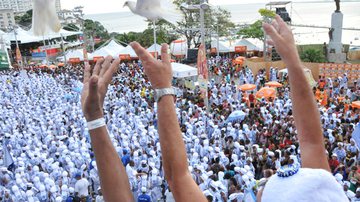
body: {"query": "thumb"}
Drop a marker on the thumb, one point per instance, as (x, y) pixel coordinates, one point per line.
(93, 89)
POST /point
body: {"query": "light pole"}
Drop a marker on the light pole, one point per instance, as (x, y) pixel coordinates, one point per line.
(80, 17)
(63, 47)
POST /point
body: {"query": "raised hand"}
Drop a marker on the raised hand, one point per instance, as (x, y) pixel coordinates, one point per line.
(159, 72)
(282, 38)
(96, 83)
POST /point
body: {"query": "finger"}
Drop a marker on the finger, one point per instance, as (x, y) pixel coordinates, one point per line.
(93, 90)
(165, 56)
(270, 42)
(97, 67)
(87, 73)
(105, 66)
(143, 54)
(110, 72)
(275, 24)
(280, 21)
(270, 30)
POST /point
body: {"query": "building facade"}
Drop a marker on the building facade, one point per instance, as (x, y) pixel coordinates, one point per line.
(18, 6)
(21, 6)
(58, 5)
(6, 18)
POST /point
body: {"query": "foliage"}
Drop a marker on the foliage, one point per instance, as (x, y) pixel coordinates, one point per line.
(267, 13)
(146, 38)
(215, 19)
(24, 20)
(312, 55)
(253, 31)
(95, 29)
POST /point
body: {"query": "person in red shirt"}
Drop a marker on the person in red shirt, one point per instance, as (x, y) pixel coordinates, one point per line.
(252, 99)
(333, 162)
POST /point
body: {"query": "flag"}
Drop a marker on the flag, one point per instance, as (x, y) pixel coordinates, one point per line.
(356, 135)
(8, 159)
(202, 72)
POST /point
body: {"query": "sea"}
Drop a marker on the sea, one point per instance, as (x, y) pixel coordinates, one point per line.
(316, 13)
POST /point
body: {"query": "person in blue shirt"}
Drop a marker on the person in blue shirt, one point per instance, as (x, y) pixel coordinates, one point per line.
(143, 197)
(126, 158)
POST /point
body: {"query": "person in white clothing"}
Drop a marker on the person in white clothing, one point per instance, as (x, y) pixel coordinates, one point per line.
(81, 186)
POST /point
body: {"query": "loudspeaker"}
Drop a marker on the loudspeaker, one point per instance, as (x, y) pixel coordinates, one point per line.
(274, 55)
(192, 55)
(282, 12)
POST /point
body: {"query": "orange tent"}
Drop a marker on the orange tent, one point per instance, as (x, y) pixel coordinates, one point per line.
(239, 60)
(356, 104)
(61, 64)
(266, 92)
(247, 87)
(273, 84)
(96, 58)
(52, 66)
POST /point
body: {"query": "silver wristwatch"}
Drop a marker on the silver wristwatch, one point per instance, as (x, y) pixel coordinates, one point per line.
(158, 93)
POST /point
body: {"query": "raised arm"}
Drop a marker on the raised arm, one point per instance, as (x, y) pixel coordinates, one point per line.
(114, 181)
(305, 112)
(173, 151)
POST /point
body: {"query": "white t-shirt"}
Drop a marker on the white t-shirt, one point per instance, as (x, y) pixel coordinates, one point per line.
(81, 187)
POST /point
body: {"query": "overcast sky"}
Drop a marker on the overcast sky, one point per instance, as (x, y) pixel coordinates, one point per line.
(108, 6)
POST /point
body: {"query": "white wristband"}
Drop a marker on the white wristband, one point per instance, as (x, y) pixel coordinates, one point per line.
(98, 123)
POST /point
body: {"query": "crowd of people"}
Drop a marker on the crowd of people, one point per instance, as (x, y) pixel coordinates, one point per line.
(47, 155)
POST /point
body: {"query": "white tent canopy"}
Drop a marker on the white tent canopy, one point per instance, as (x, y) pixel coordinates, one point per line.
(102, 52)
(78, 53)
(128, 50)
(61, 33)
(246, 42)
(112, 48)
(222, 47)
(152, 49)
(183, 71)
(24, 36)
(308, 74)
(178, 47)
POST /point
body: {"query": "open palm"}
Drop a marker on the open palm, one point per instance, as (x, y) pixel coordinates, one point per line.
(96, 83)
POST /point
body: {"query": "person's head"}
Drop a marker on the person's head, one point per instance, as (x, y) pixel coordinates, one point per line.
(78, 176)
(268, 173)
(209, 198)
(143, 190)
(334, 156)
(358, 192)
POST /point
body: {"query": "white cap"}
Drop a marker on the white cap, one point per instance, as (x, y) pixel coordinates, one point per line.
(306, 185)
(143, 189)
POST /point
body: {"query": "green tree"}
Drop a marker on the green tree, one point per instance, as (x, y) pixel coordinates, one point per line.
(25, 19)
(215, 19)
(255, 30)
(95, 29)
(312, 55)
(146, 38)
